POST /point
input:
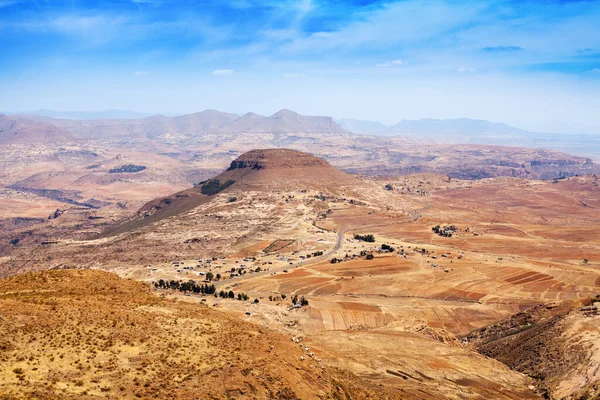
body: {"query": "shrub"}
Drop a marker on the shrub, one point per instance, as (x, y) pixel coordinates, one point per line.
(365, 238)
(387, 247)
(214, 186)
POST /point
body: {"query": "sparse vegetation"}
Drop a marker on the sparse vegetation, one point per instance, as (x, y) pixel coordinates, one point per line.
(214, 186)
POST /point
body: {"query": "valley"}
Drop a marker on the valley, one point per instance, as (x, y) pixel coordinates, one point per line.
(400, 312)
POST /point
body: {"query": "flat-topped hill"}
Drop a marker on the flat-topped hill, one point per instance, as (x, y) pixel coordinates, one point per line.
(281, 168)
(277, 158)
(267, 170)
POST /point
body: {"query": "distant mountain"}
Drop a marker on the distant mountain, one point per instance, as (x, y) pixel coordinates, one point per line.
(459, 126)
(284, 121)
(22, 131)
(194, 126)
(105, 114)
(475, 131)
(367, 127)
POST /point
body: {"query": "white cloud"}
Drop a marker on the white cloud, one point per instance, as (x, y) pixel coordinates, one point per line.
(292, 76)
(393, 63)
(465, 69)
(222, 72)
(141, 73)
(596, 71)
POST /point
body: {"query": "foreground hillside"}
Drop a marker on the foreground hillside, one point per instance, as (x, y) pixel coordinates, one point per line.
(81, 334)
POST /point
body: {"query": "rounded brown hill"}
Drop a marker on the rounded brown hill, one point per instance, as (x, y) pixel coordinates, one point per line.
(283, 168)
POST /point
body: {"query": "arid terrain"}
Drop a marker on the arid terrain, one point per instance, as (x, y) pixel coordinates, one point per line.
(421, 286)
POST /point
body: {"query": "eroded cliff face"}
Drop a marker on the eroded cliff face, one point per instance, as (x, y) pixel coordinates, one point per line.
(554, 343)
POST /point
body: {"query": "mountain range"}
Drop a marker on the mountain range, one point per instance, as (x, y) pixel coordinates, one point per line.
(123, 123)
(476, 131)
(203, 122)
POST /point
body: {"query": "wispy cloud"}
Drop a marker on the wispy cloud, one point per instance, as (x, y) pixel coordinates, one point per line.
(465, 69)
(6, 3)
(393, 63)
(223, 72)
(501, 49)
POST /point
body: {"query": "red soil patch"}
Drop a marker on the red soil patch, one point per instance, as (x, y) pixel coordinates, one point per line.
(328, 289)
(527, 277)
(458, 295)
(349, 306)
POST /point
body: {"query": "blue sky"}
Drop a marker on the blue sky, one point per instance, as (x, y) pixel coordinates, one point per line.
(534, 64)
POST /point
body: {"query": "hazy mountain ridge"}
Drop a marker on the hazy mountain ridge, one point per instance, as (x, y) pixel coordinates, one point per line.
(191, 125)
(475, 131)
(14, 130)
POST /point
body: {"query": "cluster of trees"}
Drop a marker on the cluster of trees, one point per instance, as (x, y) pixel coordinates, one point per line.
(127, 168)
(302, 301)
(365, 238)
(367, 255)
(277, 298)
(214, 186)
(230, 295)
(210, 276)
(193, 287)
(189, 286)
(389, 186)
(387, 247)
(445, 231)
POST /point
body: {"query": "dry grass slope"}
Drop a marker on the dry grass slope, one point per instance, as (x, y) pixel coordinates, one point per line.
(78, 334)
